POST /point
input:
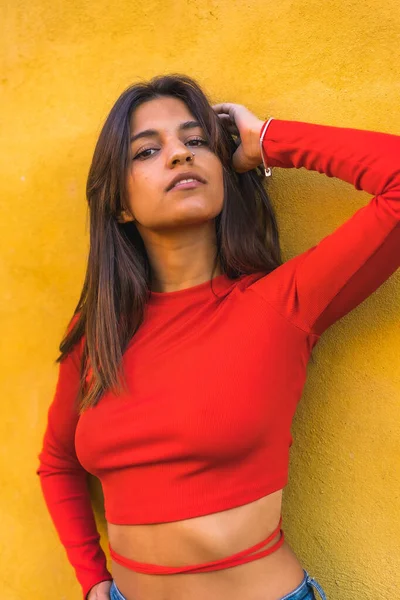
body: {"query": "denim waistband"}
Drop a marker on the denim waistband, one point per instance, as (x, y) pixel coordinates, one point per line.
(303, 592)
(115, 594)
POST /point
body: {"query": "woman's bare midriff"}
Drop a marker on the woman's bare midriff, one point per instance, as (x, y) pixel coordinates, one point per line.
(203, 539)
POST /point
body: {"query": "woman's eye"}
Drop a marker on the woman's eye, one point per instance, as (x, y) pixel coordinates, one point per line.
(143, 153)
(199, 141)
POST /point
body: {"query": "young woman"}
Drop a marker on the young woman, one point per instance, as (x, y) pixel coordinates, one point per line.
(185, 359)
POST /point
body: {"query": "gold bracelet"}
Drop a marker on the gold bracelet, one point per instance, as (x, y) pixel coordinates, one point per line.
(267, 170)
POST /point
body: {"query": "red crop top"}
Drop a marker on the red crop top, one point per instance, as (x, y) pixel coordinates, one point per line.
(214, 382)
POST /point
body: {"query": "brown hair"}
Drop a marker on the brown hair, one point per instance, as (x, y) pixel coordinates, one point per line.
(118, 275)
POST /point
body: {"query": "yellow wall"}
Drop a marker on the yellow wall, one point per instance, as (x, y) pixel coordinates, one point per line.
(65, 63)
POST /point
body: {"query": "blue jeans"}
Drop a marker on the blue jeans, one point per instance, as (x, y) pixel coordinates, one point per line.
(303, 592)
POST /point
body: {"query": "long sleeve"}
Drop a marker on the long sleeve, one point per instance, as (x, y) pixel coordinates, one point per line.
(317, 287)
(64, 483)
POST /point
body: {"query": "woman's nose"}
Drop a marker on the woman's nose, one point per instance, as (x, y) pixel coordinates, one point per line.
(180, 156)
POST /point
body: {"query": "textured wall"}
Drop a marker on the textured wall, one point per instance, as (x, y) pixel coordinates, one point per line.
(64, 64)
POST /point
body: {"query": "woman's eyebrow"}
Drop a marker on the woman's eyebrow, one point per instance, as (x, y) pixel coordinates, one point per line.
(154, 132)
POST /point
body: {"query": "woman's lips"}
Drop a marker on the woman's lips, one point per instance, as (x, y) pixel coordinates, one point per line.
(190, 185)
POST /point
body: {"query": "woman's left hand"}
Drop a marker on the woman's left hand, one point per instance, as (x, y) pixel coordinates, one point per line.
(241, 122)
(100, 591)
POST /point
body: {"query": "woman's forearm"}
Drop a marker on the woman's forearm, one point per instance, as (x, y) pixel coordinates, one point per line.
(367, 159)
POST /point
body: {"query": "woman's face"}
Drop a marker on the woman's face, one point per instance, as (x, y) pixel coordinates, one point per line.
(163, 153)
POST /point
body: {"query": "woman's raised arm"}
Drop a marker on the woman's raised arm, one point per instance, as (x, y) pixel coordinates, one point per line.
(316, 288)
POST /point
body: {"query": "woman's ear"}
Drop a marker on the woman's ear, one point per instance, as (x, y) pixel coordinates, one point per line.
(124, 217)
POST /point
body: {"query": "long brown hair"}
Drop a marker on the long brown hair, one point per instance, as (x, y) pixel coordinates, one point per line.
(118, 276)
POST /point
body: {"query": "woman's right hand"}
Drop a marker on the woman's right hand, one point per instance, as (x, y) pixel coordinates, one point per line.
(240, 121)
(100, 591)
